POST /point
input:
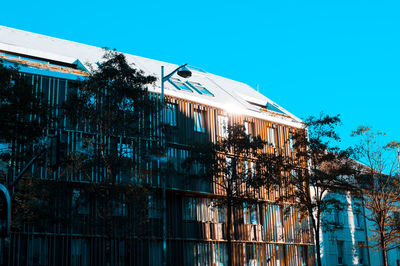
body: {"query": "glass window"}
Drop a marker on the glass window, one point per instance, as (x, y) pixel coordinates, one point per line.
(253, 214)
(228, 167)
(199, 88)
(79, 202)
(199, 168)
(220, 257)
(201, 254)
(340, 252)
(118, 208)
(304, 255)
(180, 85)
(273, 107)
(212, 212)
(246, 169)
(252, 169)
(278, 218)
(189, 209)
(170, 114)
(357, 219)
(199, 121)
(249, 213)
(336, 214)
(155, 253)
(172, 156)
(360, 253)
(248, 128)
(221, 214)
(125, 150)
(154, 207)
(291, 141)
(251, 255)
(222, 126)
(246, 218)
(278, 254)
(271, 137)
(79, 252)
(183, 155)
(38, 251)
(5, 147)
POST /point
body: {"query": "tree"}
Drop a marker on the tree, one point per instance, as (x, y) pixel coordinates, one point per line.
(114, 114)
(317, 169)
(24, 117)
(114, 109)
(236, 167)
(379, 181)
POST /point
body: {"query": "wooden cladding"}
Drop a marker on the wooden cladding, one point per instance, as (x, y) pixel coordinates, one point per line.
(263, 232)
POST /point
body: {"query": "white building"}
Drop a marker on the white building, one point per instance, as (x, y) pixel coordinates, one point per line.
(345, 240)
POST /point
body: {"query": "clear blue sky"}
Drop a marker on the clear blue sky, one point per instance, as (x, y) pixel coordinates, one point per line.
(337, 56)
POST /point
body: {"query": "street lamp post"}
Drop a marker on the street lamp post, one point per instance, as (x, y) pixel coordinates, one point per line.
(184, 72)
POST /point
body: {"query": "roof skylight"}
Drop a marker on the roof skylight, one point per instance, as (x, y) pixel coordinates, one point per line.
(180, 85)
(199, 88)
(269, 106)
(189, 86)
(274, 108)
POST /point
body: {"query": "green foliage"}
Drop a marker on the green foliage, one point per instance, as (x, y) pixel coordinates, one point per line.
(318, 164)
(112, 110)
(114, 107)
(318, 171)
(228, 164)
(24, 115)
(113, 100)
(41, 204)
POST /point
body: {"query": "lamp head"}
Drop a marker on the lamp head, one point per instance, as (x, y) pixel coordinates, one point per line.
(184, 72)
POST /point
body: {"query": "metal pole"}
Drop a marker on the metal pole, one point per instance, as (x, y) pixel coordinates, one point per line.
(161, 164)
(163, 181)
(162, 89)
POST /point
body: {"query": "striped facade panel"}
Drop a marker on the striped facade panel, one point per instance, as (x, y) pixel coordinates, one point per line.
(263, 233)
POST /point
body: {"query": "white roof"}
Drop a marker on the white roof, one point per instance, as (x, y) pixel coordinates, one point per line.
(233, 96)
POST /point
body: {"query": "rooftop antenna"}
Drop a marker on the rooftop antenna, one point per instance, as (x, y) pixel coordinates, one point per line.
(258, 88)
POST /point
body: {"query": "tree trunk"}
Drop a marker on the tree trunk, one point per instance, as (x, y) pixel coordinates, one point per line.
(317, 241)
(384, 257)
(318, 248)
(229, 231)
(383, 250)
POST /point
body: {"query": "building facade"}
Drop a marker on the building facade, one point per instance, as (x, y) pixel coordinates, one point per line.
(197, 109)
(346, 236)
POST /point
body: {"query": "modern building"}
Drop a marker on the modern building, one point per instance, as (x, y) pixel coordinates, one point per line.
(199, 108)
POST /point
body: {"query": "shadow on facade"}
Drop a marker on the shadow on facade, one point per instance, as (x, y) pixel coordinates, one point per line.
(77, 222)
